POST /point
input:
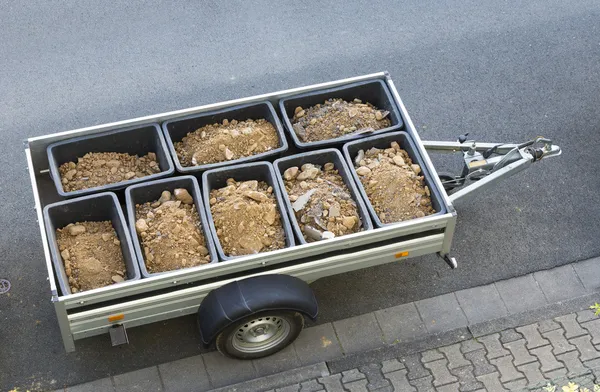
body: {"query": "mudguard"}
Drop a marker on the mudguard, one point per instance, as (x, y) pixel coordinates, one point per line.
(239, 299)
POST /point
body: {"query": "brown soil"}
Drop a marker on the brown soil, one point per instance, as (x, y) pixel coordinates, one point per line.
(102, 168)
(91, 254)
(336, 118)
(171, 233)
(321, 202)
(247, 218)
(227, 141)
(393, 184)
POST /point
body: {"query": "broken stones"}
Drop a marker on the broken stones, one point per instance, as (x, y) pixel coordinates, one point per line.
(184, 196)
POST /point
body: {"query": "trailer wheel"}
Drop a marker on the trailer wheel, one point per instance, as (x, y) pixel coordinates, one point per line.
(260, 335)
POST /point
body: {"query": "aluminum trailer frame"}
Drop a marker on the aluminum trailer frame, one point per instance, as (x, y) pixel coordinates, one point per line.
(179, 293)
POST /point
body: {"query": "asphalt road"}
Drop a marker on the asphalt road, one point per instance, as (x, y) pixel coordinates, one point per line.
(503, 74)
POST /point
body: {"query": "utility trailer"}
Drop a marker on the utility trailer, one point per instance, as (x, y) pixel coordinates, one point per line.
(253, 306)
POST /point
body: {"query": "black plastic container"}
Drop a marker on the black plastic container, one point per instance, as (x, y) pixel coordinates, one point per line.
(260, 171)
(91, 208)
(374, 92)
(176, 130)
(138, 140)
(383, 141)
(320, 157)
(151, 191)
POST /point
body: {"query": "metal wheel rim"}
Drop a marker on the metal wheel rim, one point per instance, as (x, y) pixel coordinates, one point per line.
(261, 334)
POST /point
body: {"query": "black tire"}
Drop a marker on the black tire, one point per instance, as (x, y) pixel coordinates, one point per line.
(233, 340)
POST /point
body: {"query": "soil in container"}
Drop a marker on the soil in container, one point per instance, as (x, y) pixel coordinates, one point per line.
(170, 232)
(91, 253)
(226, 141)
(246, 218)
(102, 168)
(393, 184)
(336, 118)
(322, 203)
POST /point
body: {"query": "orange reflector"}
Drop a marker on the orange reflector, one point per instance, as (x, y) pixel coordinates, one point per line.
(116, 317)
(401, 254)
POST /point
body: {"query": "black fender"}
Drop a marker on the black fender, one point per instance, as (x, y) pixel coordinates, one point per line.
(236, 300)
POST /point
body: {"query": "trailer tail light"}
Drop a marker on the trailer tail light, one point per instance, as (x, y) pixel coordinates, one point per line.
(116, 317)
(401, 254)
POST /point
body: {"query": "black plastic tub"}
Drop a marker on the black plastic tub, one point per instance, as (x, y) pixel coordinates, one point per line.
(91, 208)
(374, 91)
(138, 140)
(383, 141)
(320, 157)
(176, 130)
(260, 171)
(151, 191)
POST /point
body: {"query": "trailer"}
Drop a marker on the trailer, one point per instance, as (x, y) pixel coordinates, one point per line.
(253, 306)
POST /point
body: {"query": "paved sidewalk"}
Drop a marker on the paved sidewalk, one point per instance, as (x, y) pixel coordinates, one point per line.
(512, 334)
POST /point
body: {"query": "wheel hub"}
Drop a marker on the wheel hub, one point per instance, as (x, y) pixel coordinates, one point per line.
(261, 334)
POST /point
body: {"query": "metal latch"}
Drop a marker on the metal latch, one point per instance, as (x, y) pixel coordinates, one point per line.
(118, 335)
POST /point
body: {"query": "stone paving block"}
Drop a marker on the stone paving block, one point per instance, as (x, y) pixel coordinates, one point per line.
(356, 386)
(547, 325)
(509, 335)
(352, 375)
(332, 383)
(102, 385)
(439, 370)
(571, 326)
(516, 385)
(415, 367)
(401, 323)
(507, 369)
(546, 358)
(585, 381)
(237, 370)
(423, 384)
(519, 352)
(448, 388)
(388, 388)
(359, 333)
(521, 294)
(574, 366)
(289, 388)
(586, 315)
(143, 380)
(316, 344)
(493, 346)
(556, 375)
(592, 364)
(586, 350)
(454, 356)
(466, 378)
(470, 345)
(532, 373)
(559, 284)
(391, 365)
(492, 382)
(441, 313)
(593, 327)
(479, 361)
(374, 376)
(280, 361)
(481, 303)
(400, 381)
(431, 355)
(559, 343)
(184, 375)
(532, 335)
(589, 273)
(310, 386)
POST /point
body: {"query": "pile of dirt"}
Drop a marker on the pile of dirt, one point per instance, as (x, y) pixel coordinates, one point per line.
(102, 168)
(91, 254)
(321, 202)
(227, 141)
(171, 232)
(393, 184)
(247, 218)
(336, 118)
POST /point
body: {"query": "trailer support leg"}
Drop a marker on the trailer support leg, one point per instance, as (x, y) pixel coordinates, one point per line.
(63, 323)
